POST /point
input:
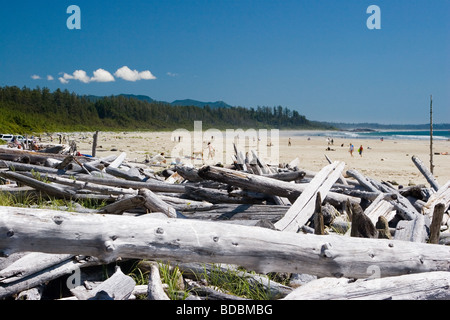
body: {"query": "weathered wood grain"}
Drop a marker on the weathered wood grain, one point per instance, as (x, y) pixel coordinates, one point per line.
(421, 286)
(109, 237)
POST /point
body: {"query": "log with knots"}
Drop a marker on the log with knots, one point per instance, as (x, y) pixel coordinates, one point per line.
(333, 225)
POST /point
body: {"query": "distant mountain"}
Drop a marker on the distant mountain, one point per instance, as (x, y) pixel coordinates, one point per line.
(132, 96)
(196, 103)
(184, 102)
(139, 97)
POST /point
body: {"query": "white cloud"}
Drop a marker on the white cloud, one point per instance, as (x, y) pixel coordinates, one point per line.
(82, 76)
(65, 78)
(172, 74)
(127, 74)
(50, 78)
(100, 75)
(35, 77)
(62, 80)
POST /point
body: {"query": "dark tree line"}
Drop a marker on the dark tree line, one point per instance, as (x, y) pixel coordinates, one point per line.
(39, 110)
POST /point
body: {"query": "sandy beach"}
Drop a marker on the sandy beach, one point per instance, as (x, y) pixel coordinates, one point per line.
(388, 160)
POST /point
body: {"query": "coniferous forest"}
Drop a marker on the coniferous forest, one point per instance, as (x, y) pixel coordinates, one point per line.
(39, 110)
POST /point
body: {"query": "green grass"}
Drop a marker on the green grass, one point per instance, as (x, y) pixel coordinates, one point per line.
(37, 200)
(230, 281)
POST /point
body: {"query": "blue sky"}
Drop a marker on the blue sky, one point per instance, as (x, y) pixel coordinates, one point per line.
(314, 56)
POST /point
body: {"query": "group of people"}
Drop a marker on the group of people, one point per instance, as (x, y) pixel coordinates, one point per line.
(31, 144)
(330, 141)
(360, 150)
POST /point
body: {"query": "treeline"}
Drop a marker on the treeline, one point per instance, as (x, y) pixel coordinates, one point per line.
(39, 110)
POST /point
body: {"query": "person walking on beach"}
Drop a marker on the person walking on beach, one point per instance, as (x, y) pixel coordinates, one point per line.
(360, 150)
(351, 149)
(289, 142)
(211, 151)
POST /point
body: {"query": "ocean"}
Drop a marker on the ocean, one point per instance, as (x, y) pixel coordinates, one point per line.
(382, 134)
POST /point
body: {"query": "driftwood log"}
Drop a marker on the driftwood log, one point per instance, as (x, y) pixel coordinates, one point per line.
(421, 286)
(62, 268)
(303, 208)
(155, 289)
(263, 184)
(23, 229)
(441, 196)
(118, 287)
(426, 173)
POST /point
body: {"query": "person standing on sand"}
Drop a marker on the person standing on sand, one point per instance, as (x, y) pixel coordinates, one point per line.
(289, 142)
(360, 150)
(351, 149)
(211, 151)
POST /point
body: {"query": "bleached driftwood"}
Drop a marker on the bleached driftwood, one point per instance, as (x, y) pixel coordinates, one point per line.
(31, 294)
(156, 204)
(218, 196)
(400, 203)
(186, 205)
(48, 188)
(204, 292)
(30, 264)
(126, 203)
(341, 177)
(263, 184)
(155, 289)
(421, 286)
(189, 173)
(260, 168)
(151, 184)
(17, 166)
(286, 176)
(109, 237)
(79, 184)
(303, 207)
(363, 180)
(132, 174)
(426, 173)
(65, 267)
(435, 226)
(441, 196)
(240, 211)
(118, 160)
(117, 287)
(412, 230)
(380, 207)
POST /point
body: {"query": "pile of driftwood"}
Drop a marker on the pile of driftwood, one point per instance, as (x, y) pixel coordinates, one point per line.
(350, 236)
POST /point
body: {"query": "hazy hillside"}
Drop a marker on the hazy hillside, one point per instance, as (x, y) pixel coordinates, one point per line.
(190, 102)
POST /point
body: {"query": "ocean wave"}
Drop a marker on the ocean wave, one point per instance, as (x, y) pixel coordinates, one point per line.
(376, 135)
(416, 137)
